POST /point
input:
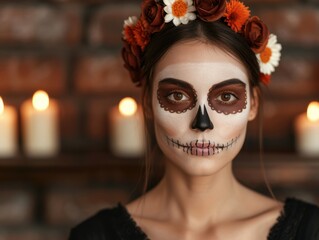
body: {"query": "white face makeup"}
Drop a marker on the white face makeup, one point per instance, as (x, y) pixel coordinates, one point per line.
(201, 104)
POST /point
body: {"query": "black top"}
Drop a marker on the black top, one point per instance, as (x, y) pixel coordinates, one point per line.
(297, 221)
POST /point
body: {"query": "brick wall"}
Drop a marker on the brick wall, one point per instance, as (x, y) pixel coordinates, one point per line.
(71, 49)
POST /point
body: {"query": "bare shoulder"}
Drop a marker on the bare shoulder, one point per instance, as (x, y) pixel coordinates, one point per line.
(146, 206)
(265, 204)
(142, 208)
(144, 212)
(135, 206)
(262, 211)
(261, 205)
(267, 211)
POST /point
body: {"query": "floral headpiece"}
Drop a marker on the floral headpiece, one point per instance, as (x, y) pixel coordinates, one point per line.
(137, 32)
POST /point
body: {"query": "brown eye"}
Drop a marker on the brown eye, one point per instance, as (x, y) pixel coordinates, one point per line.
(177, 97)
(227, 98)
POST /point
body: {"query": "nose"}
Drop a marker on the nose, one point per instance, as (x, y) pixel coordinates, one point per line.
(202, 121)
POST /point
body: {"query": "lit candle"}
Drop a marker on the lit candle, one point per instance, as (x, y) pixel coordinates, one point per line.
(127, 129)
(307, 131)
(8, 130)
(40, 126)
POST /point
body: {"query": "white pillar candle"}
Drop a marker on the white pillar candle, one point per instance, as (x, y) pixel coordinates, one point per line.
(8, 130)
(307, 131)
(127, 137)
(40, 126)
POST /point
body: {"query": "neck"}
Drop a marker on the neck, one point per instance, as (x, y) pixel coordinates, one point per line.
(196, 199)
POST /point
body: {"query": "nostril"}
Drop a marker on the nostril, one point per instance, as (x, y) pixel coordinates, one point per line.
(202, 120)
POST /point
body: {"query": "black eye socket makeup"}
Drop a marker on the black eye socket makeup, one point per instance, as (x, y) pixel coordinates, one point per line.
(228, 97)
(176, 96)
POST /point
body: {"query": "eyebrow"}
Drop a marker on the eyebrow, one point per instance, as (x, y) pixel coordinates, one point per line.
(175, 81)
(183, 84)
(233, 81)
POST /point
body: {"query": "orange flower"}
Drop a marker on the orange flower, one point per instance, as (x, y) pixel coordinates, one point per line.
(128, 27)
(129, 35)
(141, 36)
(236, 14)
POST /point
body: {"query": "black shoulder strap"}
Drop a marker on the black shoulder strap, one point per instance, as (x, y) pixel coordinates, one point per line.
(298, 221)
(97, 227)
(309, 224)
(108, 224)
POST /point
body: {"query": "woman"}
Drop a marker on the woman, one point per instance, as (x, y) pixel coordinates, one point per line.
(200, 66)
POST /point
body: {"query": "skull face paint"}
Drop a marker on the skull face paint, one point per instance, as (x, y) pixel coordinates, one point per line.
(201, 148)
(228, 97)
(195, 78)
(176, 96)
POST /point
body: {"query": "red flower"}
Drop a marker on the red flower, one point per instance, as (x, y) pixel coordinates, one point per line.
(152, 16)
(210, 10)
(265, 78)
(256, 33)
(131, 56)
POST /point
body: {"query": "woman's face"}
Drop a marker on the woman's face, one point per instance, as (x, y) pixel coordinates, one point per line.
(201, 105)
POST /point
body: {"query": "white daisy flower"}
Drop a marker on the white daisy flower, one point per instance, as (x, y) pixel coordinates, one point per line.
(179, 11)
(131, 21)
(269, 58)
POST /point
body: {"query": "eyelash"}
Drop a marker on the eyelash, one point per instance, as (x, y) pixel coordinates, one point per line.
(227, 102)
(170, 94)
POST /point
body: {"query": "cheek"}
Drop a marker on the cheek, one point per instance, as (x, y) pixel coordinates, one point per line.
(171, 124)
(230, 126)
(167, 123)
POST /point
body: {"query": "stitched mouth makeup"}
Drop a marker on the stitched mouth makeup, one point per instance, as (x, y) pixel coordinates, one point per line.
(201, 147)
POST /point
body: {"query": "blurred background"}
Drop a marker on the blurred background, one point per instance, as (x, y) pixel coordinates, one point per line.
(71, 50)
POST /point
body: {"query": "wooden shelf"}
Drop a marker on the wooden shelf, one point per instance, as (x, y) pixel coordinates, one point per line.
(288, 169)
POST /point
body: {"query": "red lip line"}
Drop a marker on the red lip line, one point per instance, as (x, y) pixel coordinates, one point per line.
(201, 148)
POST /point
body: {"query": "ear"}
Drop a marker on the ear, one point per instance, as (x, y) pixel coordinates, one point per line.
(254, 103)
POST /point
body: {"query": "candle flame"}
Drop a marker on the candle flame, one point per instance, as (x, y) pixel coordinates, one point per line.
(313, 111)
(127, 106)
(1, 106)
(40, 100)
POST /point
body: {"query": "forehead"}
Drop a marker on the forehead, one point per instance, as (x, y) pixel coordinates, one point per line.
(198, 60)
